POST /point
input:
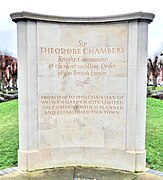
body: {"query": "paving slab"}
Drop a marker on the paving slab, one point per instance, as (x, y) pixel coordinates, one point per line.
(79, 173)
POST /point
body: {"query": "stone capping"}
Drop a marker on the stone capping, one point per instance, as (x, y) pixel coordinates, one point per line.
(136, 16)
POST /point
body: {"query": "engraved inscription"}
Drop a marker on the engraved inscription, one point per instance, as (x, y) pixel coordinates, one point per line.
(82, 104)
(82, 60)
(82, 70)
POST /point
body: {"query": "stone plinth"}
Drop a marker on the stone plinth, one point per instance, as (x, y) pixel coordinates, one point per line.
(82, 90)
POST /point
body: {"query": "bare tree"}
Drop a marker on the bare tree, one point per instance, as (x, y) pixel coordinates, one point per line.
(8, 71)
(153, 68)
(161, 65)
(1, 78)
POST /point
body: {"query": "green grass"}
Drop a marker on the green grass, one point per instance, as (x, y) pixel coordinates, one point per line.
(154, 134)
(8, 133)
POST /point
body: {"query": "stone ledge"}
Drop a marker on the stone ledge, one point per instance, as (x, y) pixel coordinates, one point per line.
(137, 16)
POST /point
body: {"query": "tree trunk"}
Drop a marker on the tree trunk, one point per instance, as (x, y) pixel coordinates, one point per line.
(154, 82)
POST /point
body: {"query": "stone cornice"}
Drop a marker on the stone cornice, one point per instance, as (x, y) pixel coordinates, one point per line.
(137, 16)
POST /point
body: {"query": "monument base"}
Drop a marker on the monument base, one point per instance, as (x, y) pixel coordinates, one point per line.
(85, 157)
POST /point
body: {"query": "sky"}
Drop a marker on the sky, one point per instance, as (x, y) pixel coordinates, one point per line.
(8, 31)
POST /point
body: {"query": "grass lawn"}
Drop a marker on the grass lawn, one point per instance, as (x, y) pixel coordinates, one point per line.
(154, 134)
(9, 134)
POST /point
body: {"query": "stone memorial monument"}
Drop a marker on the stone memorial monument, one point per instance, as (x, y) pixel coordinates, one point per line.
(82, 90)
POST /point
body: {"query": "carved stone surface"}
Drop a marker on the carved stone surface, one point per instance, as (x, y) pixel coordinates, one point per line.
(82, 90)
